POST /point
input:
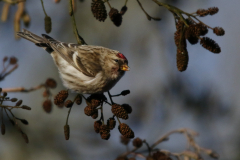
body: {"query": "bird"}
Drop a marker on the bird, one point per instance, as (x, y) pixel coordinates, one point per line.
(85, 69)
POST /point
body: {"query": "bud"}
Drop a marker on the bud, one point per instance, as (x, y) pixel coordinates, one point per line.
(26, 107)
(14, 100)
(19, 103)
(125, 92)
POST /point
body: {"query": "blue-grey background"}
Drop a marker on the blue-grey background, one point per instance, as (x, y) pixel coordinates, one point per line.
(204, 98)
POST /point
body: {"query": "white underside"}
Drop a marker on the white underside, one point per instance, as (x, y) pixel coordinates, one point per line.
(81, 83)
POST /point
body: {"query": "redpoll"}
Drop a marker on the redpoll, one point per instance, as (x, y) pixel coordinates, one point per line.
(83, 68)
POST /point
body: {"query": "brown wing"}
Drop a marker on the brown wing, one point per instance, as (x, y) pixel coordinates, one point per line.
(81, 57)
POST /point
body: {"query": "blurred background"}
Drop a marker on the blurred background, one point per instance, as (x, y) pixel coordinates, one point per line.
(204, 98)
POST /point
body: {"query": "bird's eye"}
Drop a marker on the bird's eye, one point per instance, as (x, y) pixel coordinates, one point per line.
(116, 60)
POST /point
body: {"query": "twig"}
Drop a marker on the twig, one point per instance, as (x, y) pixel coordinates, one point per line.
(80, 40)
(110, 96)
(3, 75)
(22, 89)
(165, 137)
(148, 16)
(13, 2)
(44, 8)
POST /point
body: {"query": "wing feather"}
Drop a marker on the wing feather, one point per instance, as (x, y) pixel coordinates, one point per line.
(84, 58)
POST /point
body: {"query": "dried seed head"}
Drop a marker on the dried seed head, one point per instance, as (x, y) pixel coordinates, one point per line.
(123, 10)
(219, 31)
(95, 114)
(111, 123)
(51, 83)
(14, 100)
(119, 111)
(203, 30)
(47, 106)
(95, 100)
(19, 103)
(26, 107)
(137, 142)
(104, 132)
(48, 24)
(3, 129)
(125, 92)
(68, 104)
(202, 12)
(161, 156)
(210, 45)
(125, 130)
(97, 125)
(67, 131)
(182, 60)
(127, 108)
(213, 10)
(115, 16)
(89, 110)
(60, 97)
(124, 140)
(78, 100)
(192, 34)
(25, 137)
(99, 10)
(13, 60)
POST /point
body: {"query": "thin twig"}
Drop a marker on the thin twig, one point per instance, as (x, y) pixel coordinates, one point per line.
(22, 89)
(43, 8)
(80, 40)
(148, 16)
(12, 1)
(110, 96)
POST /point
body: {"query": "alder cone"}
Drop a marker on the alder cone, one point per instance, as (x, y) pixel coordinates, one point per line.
(99, 10)
(119, 111)
(125, 130)
(115, 16)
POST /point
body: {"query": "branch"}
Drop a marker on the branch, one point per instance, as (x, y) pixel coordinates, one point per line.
(80, 40)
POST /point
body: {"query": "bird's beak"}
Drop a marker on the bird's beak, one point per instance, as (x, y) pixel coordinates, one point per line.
(125, 68)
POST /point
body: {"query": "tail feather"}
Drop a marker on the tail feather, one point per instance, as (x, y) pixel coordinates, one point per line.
(30, 36)
(39, 41)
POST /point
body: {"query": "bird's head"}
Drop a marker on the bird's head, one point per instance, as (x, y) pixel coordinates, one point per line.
(117, 64)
